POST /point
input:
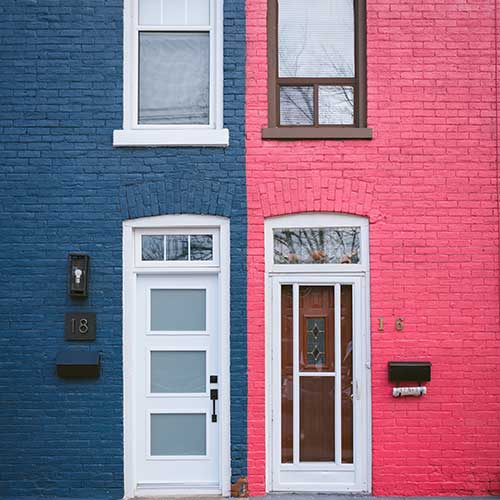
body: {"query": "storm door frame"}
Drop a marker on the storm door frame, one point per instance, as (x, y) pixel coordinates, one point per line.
(320, 274)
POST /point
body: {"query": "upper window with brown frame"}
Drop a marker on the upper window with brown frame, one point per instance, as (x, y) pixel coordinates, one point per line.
(317, 69)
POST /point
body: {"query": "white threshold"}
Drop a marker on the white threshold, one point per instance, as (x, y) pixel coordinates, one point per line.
(171, 137)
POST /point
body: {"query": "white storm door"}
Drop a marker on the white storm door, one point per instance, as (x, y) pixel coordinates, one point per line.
(319, 402)
(177, 352)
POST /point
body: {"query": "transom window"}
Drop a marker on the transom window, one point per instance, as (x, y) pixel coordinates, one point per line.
(326, 245)
(177, 247)
(317, 84)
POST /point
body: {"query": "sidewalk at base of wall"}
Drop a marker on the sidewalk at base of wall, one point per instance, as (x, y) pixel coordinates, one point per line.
(273, 496)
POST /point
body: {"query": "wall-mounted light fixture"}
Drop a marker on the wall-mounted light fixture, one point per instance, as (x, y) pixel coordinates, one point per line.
(78, 270)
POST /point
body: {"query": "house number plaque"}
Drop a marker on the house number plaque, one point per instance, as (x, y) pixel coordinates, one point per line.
(79, 326)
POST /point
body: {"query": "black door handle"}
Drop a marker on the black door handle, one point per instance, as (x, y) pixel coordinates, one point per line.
(214, 396)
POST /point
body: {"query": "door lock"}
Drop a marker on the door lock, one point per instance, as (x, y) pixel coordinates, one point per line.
(214, 396)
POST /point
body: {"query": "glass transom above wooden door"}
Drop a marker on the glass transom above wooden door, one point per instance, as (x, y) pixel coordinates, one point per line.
(316, 374)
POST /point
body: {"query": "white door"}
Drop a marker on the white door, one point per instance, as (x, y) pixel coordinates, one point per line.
(319, 389)
(177, 446)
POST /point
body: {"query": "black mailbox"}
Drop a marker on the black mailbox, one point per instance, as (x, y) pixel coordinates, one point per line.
(409, 371)
(78, 364)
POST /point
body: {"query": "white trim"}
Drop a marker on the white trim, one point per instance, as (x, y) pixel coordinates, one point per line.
(171, 137)
(316, 274)
(130, 273)
(135, 134)
(317, 220)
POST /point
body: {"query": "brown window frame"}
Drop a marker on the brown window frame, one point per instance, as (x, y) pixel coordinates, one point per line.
(359, 129)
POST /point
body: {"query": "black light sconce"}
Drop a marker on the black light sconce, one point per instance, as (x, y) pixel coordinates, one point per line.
(78, 270)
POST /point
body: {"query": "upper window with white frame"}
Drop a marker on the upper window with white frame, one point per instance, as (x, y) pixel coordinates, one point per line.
(173, 74)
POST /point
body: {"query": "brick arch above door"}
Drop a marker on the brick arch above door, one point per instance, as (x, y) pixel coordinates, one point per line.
(177, 196)
(307, 194)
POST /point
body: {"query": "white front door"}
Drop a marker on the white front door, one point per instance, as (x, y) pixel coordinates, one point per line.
(319, 383)
(177, 421)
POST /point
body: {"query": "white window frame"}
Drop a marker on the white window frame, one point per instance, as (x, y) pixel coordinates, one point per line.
(317, 220)
(135, 134)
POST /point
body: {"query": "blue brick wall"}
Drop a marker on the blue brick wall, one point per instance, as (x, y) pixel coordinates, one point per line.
(63, 188)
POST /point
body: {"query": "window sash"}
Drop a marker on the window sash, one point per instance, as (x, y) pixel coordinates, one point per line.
(275, 82)
(185, 28)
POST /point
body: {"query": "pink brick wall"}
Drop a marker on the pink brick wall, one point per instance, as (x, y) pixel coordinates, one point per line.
(428, 182)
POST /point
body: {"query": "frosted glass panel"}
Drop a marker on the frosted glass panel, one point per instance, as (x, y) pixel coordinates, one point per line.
(174, 78)
(199, 12)
(316, 38)
(178, 310)
(178, 371)
(296, 105)
(178, 434)
(174, 12)
(150, 12)
(336, 105)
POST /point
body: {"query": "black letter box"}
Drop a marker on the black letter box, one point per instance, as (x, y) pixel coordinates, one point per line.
(409, 371)
(78, 364)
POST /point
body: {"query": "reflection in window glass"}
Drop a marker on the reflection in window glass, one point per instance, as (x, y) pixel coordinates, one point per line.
(296, 105)
(336, 105)
(316, 38)
(177, 247)
(329, 245)
(152, 247)
(201, 247)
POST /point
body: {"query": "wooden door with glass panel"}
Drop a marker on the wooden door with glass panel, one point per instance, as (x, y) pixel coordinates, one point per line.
(316, 396)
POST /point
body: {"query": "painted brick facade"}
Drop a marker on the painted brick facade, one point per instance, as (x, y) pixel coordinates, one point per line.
(63, 188)
(428, 183)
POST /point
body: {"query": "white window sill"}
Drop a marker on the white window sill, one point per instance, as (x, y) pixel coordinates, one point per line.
(171, 137)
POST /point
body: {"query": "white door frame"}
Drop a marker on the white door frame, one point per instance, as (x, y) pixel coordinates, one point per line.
(321, 274)
(131, 269)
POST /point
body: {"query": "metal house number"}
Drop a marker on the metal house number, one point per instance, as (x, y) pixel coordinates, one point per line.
(79, 326)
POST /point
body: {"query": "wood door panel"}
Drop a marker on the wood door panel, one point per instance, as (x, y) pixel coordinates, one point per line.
(316, 311)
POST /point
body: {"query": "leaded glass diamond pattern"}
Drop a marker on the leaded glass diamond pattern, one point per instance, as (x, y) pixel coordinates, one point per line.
(315, 341)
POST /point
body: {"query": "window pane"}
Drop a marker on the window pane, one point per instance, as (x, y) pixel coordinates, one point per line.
(199, 12)
(296, 106)
(152, 247)
(177, 247)
(174, 78)
(286, 374)
(174, 12)
(346, 373)
(329, 245)
(178, 371)
(178, 434)
(150, 12)
(201, 247)
(317, 441)
(316, 38)
(178, 310)
(336, 105)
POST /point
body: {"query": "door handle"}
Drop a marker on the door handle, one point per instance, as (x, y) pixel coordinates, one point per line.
(214, 396)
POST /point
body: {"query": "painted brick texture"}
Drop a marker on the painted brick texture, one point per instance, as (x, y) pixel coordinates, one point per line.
(431, 179)
(63, 188)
